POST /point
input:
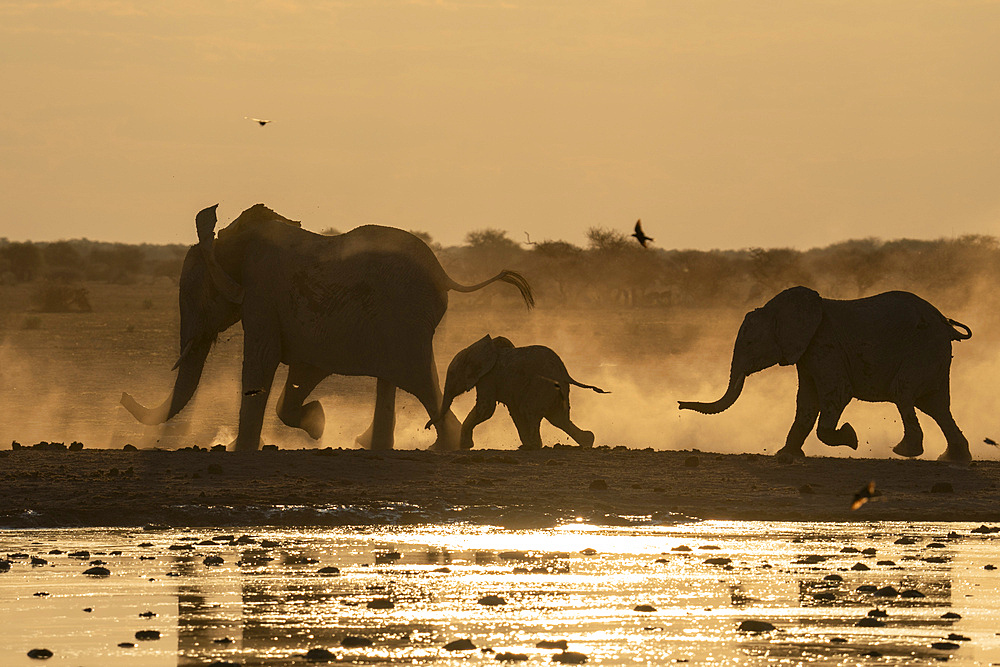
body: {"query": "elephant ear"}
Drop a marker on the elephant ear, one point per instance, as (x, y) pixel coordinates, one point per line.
(501, 343)
(796, 313)
(479, 358)
(205, 223)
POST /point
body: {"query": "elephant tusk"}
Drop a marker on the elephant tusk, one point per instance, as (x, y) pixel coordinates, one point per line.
(185, 352)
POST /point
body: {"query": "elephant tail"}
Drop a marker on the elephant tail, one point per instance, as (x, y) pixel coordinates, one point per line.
(588, 386)
(960, 335)
(505, 276)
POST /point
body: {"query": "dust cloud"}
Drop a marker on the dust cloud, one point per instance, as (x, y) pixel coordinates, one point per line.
(651, 327)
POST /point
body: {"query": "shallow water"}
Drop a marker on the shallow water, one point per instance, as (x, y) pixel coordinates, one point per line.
(272, 602)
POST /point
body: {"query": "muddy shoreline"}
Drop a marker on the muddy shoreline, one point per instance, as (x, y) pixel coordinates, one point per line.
(514, 489)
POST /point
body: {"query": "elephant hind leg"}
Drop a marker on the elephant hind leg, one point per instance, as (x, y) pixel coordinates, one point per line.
(528, 429)
(309, 417)
(559, 417)
(379, 435)
(937, 406)
(912, 443)
(449, 430)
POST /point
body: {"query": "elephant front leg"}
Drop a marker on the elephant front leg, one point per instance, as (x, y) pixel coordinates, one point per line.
(379, 435)
(260, 361)
(912, 443)
(831, 408)
(559, 417)
(806, 411)
(482, 411)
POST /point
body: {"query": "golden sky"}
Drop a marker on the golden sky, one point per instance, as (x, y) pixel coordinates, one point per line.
(721, 123)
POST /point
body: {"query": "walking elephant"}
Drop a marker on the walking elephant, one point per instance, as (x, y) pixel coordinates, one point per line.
(362, 303)
(892, 347)
(531, 381)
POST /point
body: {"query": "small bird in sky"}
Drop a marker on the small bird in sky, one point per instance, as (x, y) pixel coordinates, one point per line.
(991, 442)
(639, 236)
(864, 495)
(260, 121)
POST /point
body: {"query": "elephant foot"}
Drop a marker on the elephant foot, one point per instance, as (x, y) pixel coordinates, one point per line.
(449, 435)
(909, 447)
(529, 447)
(789, 454)
(958, 455)
(585, 439)
(845, 436)
(367, 441)
(313, 420)
(234, 446)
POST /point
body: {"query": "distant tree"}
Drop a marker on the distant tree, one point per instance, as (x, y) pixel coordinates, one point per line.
(24, 260)
(426, 238)
(604, 239)
(62, 254)
(118, 264)
(330, 231)
(493, 239)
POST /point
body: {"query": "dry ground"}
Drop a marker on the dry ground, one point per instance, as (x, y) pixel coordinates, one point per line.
(510, 488)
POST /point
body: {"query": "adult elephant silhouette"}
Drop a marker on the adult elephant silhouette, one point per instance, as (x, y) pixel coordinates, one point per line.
(365, 302)
(892, 347)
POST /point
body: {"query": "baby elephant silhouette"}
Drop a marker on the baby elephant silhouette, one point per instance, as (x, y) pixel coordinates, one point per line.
(531, 381)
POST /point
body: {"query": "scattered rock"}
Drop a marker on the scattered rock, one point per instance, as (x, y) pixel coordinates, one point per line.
(833, 577)
(681, 547)
(718, 560)
(329, 569)
(381, 603)
(126, 645)
(878, 613)
(319, 654)
(951, 616)
(147, 614)
(869, 622)
(460, 645)
(905, 540)
(511, 657)
(644, 608)
(860, 567)
(755, 626)
(911, 593)
(887, 592)
(147, 635)
(213, 560)
(958, 638)
(98, 572)
(569, 658)
(40, 653)
(491, 600)
(129, 448)
(589, 552)
(945, 646)
(350, 641)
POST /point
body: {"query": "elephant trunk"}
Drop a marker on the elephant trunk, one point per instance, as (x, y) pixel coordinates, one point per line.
(189, 371)
(449, 395)
(736, 380)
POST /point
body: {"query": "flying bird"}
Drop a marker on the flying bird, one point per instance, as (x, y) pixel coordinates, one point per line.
(991, 442)
(864, 495)
(260, 121)
(639, 236)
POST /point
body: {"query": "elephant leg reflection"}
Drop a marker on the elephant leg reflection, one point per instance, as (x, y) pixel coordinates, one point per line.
(302, 379)
(259, 364)
(380, 434)
(806, 411)
(831, 410)
(937, 406)
(482, 411)
(912, 443)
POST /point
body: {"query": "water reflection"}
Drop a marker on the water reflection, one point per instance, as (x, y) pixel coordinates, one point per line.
(835, 594)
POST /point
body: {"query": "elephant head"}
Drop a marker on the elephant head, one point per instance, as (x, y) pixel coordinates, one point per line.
(210, 303)
(469, 367)
(776, 333)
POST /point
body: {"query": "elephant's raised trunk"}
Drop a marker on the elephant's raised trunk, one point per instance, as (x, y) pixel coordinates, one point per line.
(190, 366)
(736, 380)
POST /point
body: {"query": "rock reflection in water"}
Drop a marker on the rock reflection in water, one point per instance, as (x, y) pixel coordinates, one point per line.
(615, 595)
